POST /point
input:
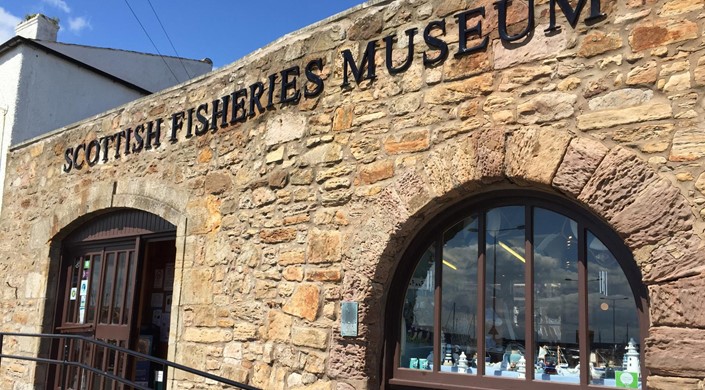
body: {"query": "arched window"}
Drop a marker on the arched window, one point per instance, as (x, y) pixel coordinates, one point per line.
(506, 289)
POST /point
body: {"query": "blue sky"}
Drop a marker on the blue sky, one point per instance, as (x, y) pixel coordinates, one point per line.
(223, 30)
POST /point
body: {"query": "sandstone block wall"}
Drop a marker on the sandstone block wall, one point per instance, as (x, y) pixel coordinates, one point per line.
(309, 203)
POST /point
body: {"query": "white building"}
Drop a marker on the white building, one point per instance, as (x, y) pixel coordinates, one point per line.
(45, 84)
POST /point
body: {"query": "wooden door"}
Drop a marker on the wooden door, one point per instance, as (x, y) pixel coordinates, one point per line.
(99, 301)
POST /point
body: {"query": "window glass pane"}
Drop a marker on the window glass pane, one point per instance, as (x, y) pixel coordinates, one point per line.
(612, 321)
(94, 268)
(555, 297)
(459, 292)
(504, 305)
(107, 288)
(417, 320)
(130, 288)
(119, 288)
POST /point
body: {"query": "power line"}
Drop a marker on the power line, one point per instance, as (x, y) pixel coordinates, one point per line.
(150, 39)
(169, 39)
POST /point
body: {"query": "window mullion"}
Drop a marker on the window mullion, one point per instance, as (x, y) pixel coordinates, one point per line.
(437, 304)
(529, 292)
(481, 265)
(584, 342)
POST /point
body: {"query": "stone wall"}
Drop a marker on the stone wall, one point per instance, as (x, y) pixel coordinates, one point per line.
(284, 215)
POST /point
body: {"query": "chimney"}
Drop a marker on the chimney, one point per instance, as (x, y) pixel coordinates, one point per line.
(38, 27)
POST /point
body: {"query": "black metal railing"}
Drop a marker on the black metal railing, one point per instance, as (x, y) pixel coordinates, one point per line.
(69, 363)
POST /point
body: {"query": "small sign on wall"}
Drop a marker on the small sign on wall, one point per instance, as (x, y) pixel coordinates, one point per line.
(348, 319)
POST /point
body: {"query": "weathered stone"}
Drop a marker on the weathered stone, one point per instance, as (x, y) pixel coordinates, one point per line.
(244, 331)
(304, 302)
(547, 107)
(643, 75)
(405, 104)
(621, 98)
(675, 67)
(343, 118)
(323, 246)
(324, 275)
(519, 77)
(653, 214)
(293, 274)
(647, 35)
(668, 383)
(676, 257)
(617, 180)
(490, 155)
(661, 343)
(296, 219)
(569, 84)
(302, 177)
(610, 118)
(273, 236)
(678, 303)
(217, 183)
(372, 173)
(458, 91)
(309, 337)
(207, 335)
(365, 149)
(466, 66)
(197, 286)
(278, 179)
(336, 183)
(539, 47)
(327, 154)
(315, 362)
(284, 128)
(279, 326)
(413, 141)
(699, 72)
(289, 258)
(597, 42)
(688, 145)
(677, 7)
(341, 170)
(262, 196)
(533, 155)
(366, 27)
(677, 83)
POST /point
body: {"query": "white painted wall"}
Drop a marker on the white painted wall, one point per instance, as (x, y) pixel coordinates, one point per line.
(54, 93)
(10, 65)
(42, 92)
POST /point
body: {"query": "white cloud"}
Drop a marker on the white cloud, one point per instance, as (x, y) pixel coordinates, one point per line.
(76, 25)
(60, 4)
(8, 22)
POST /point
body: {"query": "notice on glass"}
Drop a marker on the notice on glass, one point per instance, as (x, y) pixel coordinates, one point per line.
(158, 278)
(157, 300)
(169, 277)
(74, 293)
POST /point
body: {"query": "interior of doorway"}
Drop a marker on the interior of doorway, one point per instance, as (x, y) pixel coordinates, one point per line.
(154, 306)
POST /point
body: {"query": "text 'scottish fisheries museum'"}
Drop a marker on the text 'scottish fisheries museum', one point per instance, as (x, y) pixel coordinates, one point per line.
(445, 194)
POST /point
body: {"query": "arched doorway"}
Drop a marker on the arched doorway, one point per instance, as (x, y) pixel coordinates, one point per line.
(115, 282)
(516, 289)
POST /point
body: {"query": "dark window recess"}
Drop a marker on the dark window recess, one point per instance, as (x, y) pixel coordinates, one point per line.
(531, 289)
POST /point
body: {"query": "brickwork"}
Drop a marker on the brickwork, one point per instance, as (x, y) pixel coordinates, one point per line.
(286, 214)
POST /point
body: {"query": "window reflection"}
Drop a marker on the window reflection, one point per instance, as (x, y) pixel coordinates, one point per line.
(504, 304)
(561, 246)
(418, 316)
(612, 320)
(556, 297)
(459, 292)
